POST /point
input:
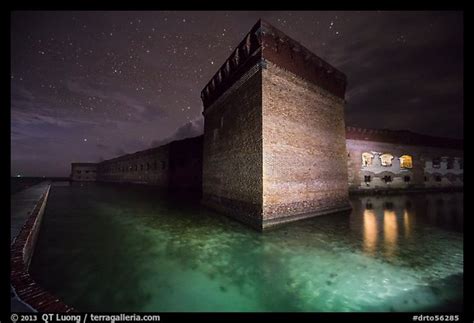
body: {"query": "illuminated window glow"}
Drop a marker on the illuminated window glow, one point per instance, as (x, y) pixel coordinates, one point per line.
(386, 160)
(406, 161)
(367, 159)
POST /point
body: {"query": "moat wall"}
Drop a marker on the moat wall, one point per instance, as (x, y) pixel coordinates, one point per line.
(144, 167)
(21, 252)
(232, 151)
(174, 166)
(304, 153)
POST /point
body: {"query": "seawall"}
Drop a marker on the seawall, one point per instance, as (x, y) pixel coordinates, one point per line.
(27, 209)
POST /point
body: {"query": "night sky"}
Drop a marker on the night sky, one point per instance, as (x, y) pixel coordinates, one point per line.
(89, 86)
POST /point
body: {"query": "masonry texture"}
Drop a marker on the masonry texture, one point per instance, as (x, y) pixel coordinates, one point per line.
(275, 146)
(232, 148)
(304, 171)
(176, 166)
(22, 248)
(232, 155)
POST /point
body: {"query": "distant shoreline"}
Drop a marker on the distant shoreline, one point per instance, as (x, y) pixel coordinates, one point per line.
(18, 184)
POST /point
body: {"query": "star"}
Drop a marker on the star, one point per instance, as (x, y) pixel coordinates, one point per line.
(70, 76)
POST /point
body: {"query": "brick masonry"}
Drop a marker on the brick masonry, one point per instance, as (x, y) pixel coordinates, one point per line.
(21, 252)
(175, 166)
(146, 167)
(304, 153)
(232, 151)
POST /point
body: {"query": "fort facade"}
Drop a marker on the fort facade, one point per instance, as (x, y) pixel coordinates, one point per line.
(382, 159)
(275, 146)
(177, 165)
(84, 172)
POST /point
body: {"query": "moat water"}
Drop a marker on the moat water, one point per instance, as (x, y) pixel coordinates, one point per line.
(130, 248)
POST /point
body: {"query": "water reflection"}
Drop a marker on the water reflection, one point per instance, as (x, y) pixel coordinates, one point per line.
(390, 232)
(388, 254)
(370, 231)
(386, 219)
(407, 223)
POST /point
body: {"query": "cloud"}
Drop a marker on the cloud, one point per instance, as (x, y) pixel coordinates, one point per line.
(27, 110)
(21, 118)
(190, 129)
(139, 111)
(119, 151)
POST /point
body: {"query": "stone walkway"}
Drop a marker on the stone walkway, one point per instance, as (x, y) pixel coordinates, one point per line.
(22, 205)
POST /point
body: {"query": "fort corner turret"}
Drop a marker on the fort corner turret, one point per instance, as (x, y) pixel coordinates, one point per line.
(274, 135)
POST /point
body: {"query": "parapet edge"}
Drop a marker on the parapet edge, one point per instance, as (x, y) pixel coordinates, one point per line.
(289, 54)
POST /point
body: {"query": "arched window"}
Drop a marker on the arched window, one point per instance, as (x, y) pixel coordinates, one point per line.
(386, 160)
(367, 159)
(406, 161)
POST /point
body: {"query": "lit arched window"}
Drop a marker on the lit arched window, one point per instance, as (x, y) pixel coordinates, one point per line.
(367, 159)
(386, 160)
(406, 161)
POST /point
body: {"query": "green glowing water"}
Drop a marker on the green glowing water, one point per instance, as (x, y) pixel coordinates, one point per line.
(122, 248)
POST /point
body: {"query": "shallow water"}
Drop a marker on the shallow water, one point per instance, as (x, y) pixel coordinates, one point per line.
(131, 248)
